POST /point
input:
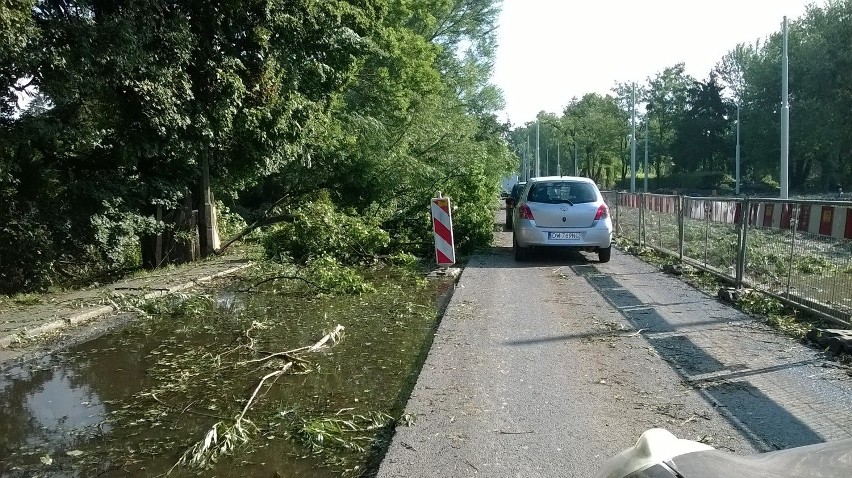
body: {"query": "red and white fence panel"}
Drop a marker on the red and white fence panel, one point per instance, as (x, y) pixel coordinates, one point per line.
(830, 220)
(442, 225)
(660, 203)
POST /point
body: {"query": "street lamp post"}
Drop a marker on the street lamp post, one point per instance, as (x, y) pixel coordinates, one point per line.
(738, 150)
(785, 120)
(558, 163)
(633, 139)
(645, 169)
(537, 153)
(576, 173)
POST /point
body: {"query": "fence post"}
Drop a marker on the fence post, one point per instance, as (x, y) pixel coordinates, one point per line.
(617, 224)
(707, 210)
(794, 224)
(742, 241)
(641, 216)
(680, 226)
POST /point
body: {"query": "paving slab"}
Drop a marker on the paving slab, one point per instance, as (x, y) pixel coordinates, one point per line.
(55, 311)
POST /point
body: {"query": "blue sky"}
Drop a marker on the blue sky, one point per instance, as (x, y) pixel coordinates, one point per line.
(552, 50)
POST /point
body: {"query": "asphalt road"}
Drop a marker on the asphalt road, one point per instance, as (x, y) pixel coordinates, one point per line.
(549, 367)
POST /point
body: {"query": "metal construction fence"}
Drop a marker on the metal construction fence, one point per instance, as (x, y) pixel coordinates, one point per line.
(798, 251)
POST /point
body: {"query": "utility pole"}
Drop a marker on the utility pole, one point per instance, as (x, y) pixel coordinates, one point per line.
(576, 173)
(738, 149)
(785, 120)
(645, 169)
(537, 151)
(547, 161)
(633, 139)
(558, 163)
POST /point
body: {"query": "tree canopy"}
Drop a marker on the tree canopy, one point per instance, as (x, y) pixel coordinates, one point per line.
(111, 108)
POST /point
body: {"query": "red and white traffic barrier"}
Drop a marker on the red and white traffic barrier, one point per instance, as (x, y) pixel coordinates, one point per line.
(442, 225)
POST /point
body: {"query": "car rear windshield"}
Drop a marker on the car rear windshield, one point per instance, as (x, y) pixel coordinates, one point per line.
(516, 191)
(558, 192)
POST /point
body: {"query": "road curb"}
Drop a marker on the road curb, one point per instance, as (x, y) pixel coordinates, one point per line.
(95, 312)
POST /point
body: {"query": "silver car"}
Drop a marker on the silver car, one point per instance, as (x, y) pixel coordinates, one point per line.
(561, 211)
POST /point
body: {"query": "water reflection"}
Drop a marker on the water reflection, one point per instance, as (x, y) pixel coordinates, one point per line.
(46, 409)
(230, 301)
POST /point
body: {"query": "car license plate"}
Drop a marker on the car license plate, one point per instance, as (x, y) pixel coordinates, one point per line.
(564, 236)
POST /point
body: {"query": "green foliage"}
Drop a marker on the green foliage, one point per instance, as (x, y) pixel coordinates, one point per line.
(339, 432)
(699, 143)
(318, 229)
(116, 235)
(789, 325)
(402, 259)
(327, 273)
(813, 264)
(180, 305)
(230, 223)
(26, 255)
(760, 304)
(381, 103)
(696, 181)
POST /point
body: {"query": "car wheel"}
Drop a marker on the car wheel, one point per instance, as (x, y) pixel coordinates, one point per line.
(521, 253)
(604, 254)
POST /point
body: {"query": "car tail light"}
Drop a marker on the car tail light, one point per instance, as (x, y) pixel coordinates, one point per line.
(602, 213)
(525, 212)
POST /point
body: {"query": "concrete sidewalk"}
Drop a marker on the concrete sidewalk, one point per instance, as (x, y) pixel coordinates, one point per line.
(55, 311)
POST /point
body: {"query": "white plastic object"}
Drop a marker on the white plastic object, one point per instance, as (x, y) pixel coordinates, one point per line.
(654, 446)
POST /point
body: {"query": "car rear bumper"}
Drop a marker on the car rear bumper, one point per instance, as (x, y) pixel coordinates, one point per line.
(527, 234)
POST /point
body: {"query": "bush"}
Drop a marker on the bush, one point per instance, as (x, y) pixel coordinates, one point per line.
(703, 181)
(26, 256)
(318, 230)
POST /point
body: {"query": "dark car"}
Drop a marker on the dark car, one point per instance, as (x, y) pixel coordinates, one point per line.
(511, 200)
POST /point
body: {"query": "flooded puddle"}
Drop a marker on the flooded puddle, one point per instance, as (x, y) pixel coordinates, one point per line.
(134, 401)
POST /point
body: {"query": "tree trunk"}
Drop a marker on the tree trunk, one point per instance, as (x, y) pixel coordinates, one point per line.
(207, 224)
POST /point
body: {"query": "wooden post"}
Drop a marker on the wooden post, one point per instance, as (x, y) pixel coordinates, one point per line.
(208, 230)
(158, 247)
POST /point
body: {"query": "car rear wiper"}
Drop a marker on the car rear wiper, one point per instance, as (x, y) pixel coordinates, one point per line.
(567, 201)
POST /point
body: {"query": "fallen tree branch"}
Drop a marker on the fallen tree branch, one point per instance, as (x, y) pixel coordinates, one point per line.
(185, 409)
(266, 377)
(334, 336)
(222, 439)
(270, 279)
(264, 221)
(272, 355)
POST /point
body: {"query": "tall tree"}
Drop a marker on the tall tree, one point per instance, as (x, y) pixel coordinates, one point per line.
(667, 100)
(699, 143)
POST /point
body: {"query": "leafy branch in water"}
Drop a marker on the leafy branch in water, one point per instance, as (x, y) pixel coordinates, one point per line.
(223, 438)
(338, 432)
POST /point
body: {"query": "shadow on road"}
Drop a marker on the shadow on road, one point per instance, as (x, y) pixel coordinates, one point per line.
(763, 422)
(538, 258)
(602, 333)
